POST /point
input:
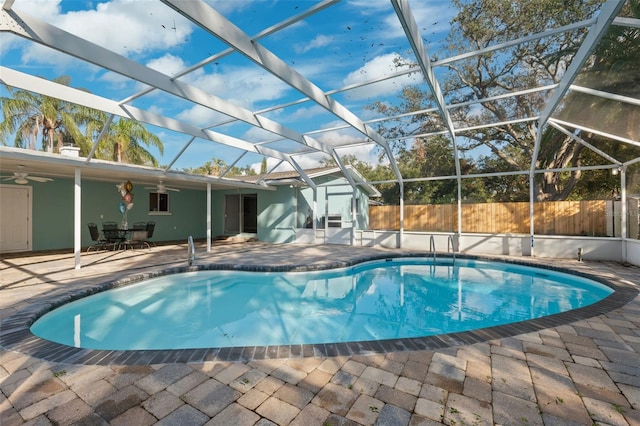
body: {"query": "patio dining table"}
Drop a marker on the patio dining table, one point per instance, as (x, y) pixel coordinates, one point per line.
(115, 237)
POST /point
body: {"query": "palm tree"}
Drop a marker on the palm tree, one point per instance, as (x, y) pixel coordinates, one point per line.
(125, 141)
(28, 115)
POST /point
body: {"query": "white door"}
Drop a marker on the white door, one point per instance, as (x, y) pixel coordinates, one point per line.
(15, 218)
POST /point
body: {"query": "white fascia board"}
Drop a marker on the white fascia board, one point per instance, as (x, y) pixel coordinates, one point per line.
(7, 4)
(358, 179)
(117, 168)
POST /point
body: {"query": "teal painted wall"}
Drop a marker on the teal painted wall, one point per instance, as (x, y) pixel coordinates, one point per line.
(52, 221)
(276, 215)
(276, 221)
(279, 211)
(338, 204)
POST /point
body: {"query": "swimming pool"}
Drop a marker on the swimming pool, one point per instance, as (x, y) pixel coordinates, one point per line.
(399, 298)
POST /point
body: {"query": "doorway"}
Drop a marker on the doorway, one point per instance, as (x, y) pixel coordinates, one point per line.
(240, 214)
(15, 214)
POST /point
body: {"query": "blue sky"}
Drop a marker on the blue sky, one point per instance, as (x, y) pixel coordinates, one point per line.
(344, 44)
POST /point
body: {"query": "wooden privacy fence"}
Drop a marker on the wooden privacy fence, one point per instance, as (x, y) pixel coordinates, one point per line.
(550, 217)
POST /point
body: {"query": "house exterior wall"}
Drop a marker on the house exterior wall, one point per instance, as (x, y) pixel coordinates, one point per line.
(276, 215)
(339, 202)
(280, 212)
(52, 219)
(276, 220)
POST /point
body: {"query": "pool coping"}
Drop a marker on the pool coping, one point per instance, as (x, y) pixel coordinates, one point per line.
(15, 334)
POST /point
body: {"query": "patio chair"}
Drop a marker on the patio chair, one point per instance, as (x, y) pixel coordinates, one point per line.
(109, 225)
(98, 241)
(150, 227)
(139, 226)
(136, 237)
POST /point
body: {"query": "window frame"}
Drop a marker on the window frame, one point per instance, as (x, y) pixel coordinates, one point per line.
(159, 204)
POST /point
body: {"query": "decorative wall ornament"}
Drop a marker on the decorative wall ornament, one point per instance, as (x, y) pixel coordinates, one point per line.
(126, 204)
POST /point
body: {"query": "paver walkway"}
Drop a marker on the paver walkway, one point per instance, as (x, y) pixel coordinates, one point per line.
(580, 373)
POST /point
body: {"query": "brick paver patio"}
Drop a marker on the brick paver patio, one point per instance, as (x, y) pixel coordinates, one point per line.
(581, 372)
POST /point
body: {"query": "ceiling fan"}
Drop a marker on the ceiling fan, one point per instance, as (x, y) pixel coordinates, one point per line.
(23, 178)
(161, 188)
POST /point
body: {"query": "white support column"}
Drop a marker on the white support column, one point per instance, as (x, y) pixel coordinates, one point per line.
(77, 219)
(401, 231)
(532, 200)
(314, 213)
(623, 219)
(354, 214)
(208, 217)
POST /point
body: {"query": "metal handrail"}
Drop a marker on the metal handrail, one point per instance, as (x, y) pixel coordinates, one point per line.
(432, 248)
(191, 251)
(452, 247)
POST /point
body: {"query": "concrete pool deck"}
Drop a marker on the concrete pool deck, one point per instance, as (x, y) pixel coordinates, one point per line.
(583, 370)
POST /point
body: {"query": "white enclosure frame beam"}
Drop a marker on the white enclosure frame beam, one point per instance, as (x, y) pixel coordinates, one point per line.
(43, 33)
(48, 88)
(216, 24)
(583, 142)
(609, 11)
(264, 33)
(403, 11)
(606, 16)
(595, 131)
(606, 95)
(627, 22)
(499, 46)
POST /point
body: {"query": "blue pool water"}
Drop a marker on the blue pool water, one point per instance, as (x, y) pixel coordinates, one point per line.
(388, 299)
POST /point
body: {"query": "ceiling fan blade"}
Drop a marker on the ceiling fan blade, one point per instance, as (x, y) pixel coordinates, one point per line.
(172, 189)
(39, 178)
(11, 178)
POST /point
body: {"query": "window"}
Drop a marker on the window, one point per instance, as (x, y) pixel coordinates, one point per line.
(158, 202)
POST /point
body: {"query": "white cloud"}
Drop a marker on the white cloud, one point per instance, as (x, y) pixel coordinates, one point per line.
(42, 9)
(379, 66)
(319, 41)
(124, 26)
(167, 64)
(257, 134)
(200, 116)
(305, 113)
